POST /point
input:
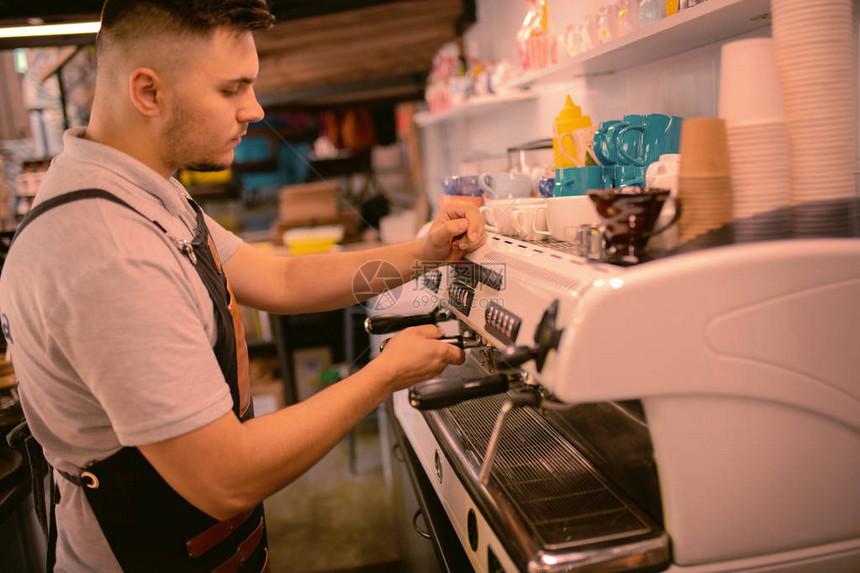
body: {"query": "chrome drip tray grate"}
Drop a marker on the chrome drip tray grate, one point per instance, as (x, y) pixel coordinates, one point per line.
(567, 247)
(562, 498)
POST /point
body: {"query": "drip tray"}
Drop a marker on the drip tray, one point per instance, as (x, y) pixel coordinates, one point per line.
(562, 502)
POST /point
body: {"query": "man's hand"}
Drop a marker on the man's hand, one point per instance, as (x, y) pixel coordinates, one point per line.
(458, 229)
(415, 354)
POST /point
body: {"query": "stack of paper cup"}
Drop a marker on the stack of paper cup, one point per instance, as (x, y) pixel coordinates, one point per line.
(756, 129)
(705, 193)
(813, 43)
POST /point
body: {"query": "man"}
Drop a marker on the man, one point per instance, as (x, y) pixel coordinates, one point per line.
(123, 330)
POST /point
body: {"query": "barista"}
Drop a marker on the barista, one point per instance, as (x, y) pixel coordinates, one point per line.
(119, 307)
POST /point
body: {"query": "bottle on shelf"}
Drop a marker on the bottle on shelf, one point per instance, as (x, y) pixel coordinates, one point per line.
(570, 138)
(651, 11)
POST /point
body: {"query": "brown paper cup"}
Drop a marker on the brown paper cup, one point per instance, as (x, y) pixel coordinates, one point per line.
(706, 204)
(704, 148)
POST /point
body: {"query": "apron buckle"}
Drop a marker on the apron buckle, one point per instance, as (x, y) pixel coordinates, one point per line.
(90, 480)
(188, 251)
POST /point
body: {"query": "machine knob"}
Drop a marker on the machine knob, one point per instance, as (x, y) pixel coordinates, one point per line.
(547, 337)
(514, 356)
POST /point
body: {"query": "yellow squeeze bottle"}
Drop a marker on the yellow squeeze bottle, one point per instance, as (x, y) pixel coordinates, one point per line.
(570, 126)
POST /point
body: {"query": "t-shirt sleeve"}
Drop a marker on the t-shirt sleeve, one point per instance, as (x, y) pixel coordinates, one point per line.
(226, 243)
(132, 332)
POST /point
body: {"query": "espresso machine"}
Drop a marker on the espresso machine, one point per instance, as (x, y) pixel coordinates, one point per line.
(699, 411)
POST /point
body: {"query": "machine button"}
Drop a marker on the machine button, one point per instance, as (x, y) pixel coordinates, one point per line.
(437, 461)
(472, 529)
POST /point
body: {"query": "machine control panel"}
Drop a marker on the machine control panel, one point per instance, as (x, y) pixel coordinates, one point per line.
(431, 280)
(502, 323)
(460, 297)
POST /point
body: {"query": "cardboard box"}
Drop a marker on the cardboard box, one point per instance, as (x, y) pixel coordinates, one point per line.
(267, 398)
(307, 362)
(309, 201)
(347, 219)
(267, 390)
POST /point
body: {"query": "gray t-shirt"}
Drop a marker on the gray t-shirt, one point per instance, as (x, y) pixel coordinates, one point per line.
(110, 327)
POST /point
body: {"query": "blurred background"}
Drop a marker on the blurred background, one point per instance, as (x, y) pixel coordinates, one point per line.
(371, 106)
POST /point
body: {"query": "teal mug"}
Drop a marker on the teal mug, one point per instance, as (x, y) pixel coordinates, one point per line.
(629, 176)
(570, 181)
(604, 142)
(615, 141)
(646, 138)
(629, 137)
(608, 172)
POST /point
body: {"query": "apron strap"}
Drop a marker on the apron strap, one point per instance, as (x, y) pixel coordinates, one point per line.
(70, 197)
(42, 485)
(40, 470)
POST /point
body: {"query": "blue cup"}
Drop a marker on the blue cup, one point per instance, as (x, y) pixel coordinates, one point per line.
(604, 142)
(608, 172)
(462, 185)
(571, 181)
(628, 138)
(546, 186)
(615, 141)
(650, 137)
(468, 186)
(629, 176)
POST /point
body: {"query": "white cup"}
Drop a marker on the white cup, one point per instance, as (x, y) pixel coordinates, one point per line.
(663, 173)
(500, 214)
(530, 220)
(667, 163)
(750, 89)
(578, 140)
(505, 185)
(565, 215)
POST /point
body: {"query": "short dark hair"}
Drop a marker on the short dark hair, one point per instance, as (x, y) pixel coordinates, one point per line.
(130, 19)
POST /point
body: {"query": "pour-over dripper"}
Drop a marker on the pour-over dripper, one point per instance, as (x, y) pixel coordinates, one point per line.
(628, 216)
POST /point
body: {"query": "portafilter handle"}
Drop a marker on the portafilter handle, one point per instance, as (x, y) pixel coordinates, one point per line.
(460, 341)
(465, 341)
(389, 324)
(443, 392)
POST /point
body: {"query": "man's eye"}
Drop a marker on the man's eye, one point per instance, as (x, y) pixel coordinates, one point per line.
(230, 91)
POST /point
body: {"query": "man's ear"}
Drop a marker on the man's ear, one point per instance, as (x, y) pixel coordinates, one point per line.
(145, 90)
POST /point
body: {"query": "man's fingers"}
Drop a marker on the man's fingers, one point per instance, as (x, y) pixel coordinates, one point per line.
(457, 227)
(444, 233)
(429, 331)
(476, 224)
(456, 355)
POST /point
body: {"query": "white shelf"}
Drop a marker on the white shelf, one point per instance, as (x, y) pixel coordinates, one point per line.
(473, 106)
(704, 24)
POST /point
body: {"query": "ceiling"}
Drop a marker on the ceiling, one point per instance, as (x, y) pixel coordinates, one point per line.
(320, 52)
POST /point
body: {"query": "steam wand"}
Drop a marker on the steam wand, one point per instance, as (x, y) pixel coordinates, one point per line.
(518, 399)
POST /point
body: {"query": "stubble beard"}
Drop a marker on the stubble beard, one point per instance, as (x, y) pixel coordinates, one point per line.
(179, 147)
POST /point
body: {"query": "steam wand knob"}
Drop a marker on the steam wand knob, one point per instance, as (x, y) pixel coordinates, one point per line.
(546, 337)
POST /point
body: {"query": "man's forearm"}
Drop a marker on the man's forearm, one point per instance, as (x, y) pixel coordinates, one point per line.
(280, 447)
(228, 467)
(327, 282)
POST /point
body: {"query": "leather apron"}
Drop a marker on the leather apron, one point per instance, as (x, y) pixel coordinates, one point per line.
(147, 524)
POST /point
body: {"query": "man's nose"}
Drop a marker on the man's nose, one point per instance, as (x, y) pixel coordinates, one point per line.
(251, 109)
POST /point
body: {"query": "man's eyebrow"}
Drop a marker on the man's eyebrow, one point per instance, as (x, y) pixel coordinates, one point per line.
(240, 81)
